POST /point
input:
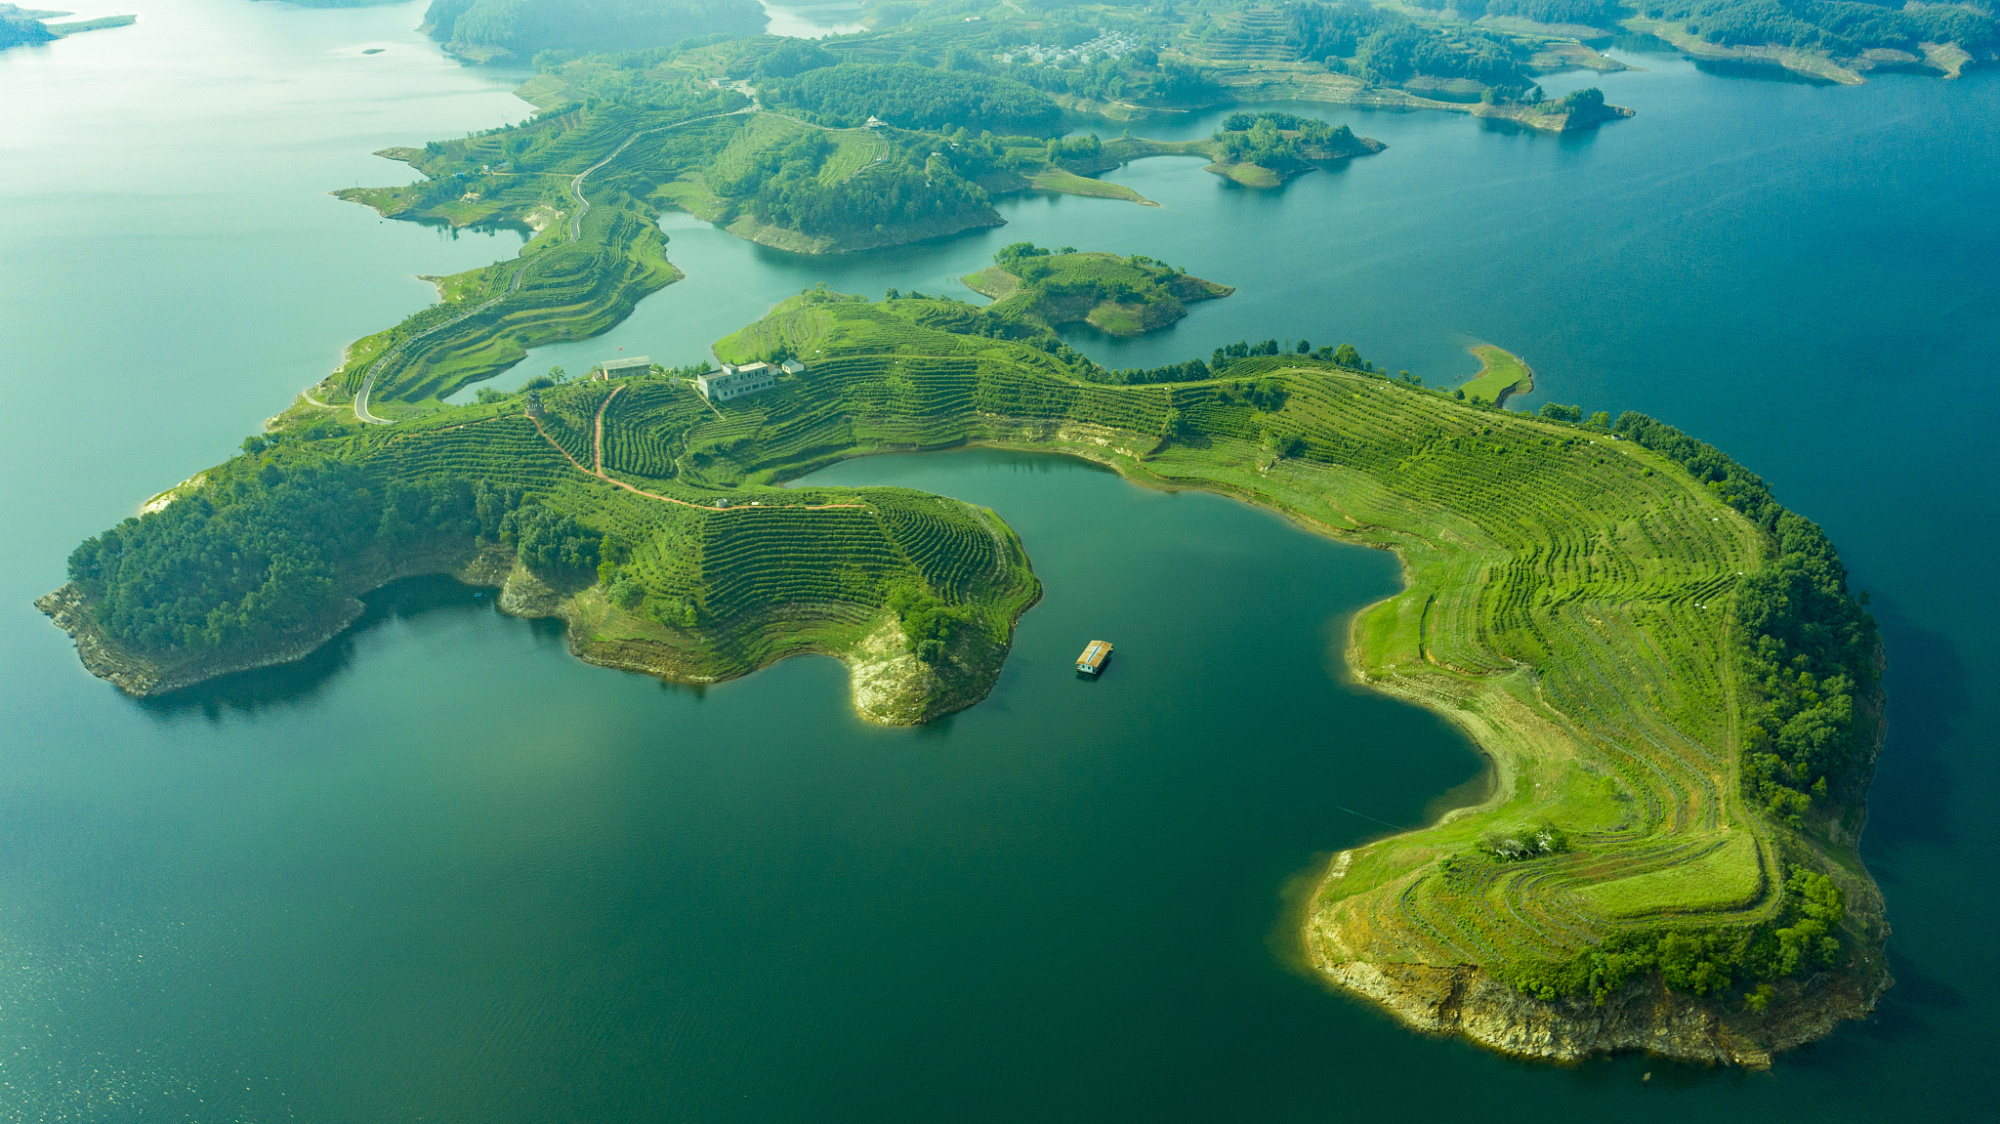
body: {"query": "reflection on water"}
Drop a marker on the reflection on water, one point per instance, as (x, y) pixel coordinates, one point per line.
(295, 683)
(813, 21)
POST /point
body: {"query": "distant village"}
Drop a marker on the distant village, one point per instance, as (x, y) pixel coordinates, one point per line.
(1107, 45)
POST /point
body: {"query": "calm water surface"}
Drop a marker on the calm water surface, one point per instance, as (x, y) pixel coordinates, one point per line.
(442, 871)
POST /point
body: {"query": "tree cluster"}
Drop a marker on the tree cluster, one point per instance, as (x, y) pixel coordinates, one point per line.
(916, 97)
(1140, 78)
(1383, 45)
(1190, 371)
(1281, 141)
(1525, 843)
(784, 189)
(1805, 935)
(1839, 27)
(18, 27)
(1809, 647)
(929, 625)
(1590, 13)
(1342, 356)
(256, 553)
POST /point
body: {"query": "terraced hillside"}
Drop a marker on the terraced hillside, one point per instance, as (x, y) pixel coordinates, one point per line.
(590, 181)
(1574, 601)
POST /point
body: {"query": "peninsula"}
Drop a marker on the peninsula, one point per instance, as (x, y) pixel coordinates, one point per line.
(22, 26)
(1677, 693)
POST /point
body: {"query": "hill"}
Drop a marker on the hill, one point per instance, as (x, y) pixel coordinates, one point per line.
(498, 31)
(1266, 149)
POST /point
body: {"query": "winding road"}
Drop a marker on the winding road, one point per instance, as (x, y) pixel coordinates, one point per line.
(375, 368)
(597, 457)
(361, 411)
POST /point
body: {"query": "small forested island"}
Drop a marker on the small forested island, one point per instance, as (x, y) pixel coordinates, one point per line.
(1266, 149)
(1122, 296)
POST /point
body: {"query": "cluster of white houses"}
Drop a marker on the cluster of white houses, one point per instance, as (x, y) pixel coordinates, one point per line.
(735, 382)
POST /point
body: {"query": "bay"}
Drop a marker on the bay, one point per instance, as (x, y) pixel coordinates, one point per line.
(442, 870)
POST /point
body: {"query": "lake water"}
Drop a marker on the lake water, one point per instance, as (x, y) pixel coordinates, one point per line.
(443, 871)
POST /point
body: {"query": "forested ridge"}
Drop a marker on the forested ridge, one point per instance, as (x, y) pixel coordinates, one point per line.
(1384, 45)
(523, 28)
(1840, 27)
(915, 97)
(786, 185)
(259, 551)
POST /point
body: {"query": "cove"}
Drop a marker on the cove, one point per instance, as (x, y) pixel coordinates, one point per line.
(330, 900)
(652, 888)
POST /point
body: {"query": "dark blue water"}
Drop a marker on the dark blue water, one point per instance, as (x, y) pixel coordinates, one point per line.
(443, 871)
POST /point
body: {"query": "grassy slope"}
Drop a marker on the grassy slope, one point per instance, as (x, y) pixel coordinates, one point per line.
(1500, 375)
(1568, 605)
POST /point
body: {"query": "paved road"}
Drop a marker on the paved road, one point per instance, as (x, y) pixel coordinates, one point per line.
(375, 368)
(576, 185)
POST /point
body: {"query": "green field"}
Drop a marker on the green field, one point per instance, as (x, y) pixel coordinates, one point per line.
(1501, 375)
(1065, 182)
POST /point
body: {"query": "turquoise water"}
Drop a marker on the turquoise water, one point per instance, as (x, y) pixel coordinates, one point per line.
(442, 871)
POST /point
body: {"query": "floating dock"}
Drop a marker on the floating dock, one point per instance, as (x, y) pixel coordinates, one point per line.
(1094, 655)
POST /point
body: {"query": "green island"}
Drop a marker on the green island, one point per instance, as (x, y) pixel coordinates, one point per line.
(23, 26)
(1124, 296)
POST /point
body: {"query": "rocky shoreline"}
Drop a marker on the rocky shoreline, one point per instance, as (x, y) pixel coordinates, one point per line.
(1645, 1016)
(890, 686)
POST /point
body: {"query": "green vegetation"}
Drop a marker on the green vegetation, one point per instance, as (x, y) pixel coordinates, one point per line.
(1500, 375)
(1265, 149)
(1838, 28)
(513, 30)
(622, 139)
(1119, 295)
(848, 183)
(1809, 650)
(20, 26)
(915, 97)
(1800, 936)
(1664, 665)
(1383, 45)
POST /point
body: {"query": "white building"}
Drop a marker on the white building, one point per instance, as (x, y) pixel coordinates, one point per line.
(792, 367)
(735, 382)
(619, 368)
